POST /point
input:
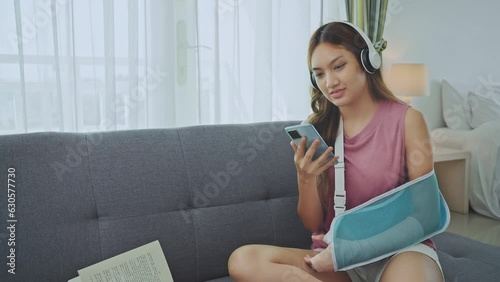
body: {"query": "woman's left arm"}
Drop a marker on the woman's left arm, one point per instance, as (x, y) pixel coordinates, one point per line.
(418, 144)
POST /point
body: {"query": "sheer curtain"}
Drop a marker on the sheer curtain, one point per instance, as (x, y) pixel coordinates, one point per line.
(93, 65)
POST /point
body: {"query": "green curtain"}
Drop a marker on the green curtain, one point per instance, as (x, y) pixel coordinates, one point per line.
(369, 15)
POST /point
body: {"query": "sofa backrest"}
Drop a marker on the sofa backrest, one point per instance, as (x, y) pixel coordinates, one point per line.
(201, 191)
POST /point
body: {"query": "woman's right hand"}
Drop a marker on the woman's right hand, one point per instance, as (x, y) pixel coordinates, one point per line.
(307, 169)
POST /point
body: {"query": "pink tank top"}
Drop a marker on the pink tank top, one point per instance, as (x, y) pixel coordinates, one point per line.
(375, 161)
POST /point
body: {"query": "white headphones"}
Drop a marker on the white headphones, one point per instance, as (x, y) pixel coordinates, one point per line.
(370, 58)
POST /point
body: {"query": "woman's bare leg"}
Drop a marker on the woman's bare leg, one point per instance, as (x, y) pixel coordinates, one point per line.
(271, 263)
(412, 266)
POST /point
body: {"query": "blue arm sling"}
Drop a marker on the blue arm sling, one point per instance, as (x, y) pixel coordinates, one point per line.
(384, 225)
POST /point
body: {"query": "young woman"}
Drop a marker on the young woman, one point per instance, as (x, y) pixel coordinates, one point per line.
(383, 148)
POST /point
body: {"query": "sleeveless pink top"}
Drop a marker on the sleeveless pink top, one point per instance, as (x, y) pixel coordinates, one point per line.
(375, 161)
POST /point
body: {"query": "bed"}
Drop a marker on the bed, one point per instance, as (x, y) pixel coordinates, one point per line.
(472, 117)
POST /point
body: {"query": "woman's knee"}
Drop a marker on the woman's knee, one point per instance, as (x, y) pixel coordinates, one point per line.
(242, 261)
(412, 266)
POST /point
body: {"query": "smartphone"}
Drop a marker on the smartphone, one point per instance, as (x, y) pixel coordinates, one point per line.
(296, 132)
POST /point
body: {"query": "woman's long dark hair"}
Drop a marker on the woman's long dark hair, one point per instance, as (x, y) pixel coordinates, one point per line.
(326, 115)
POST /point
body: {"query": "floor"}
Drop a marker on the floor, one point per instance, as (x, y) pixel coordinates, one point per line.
(475, 226)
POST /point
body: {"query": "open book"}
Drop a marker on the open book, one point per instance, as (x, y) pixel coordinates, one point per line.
(145, 264)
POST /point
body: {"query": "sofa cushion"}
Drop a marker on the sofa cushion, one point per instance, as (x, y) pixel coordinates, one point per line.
(201, 191)
(57, 226)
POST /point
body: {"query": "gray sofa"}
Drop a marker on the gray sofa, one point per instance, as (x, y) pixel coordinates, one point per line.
(201, 191)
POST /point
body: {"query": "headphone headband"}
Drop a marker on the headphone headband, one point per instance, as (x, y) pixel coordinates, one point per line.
(370, 58)
(373, 55)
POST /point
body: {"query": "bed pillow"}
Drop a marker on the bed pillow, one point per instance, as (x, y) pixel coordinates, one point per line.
(483, 108)
(456, 111)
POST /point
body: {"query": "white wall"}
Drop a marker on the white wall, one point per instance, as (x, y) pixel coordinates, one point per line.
(458, 40)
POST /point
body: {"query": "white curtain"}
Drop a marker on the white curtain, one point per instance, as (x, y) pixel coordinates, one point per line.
(93, 65)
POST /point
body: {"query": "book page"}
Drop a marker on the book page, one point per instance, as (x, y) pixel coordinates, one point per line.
(146, 263)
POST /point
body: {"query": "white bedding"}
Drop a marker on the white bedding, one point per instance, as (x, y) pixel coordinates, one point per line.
(484, 144)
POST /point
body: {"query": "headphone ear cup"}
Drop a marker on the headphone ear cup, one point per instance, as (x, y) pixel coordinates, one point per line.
(365, 61)
(313, 81)
(370, 61)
